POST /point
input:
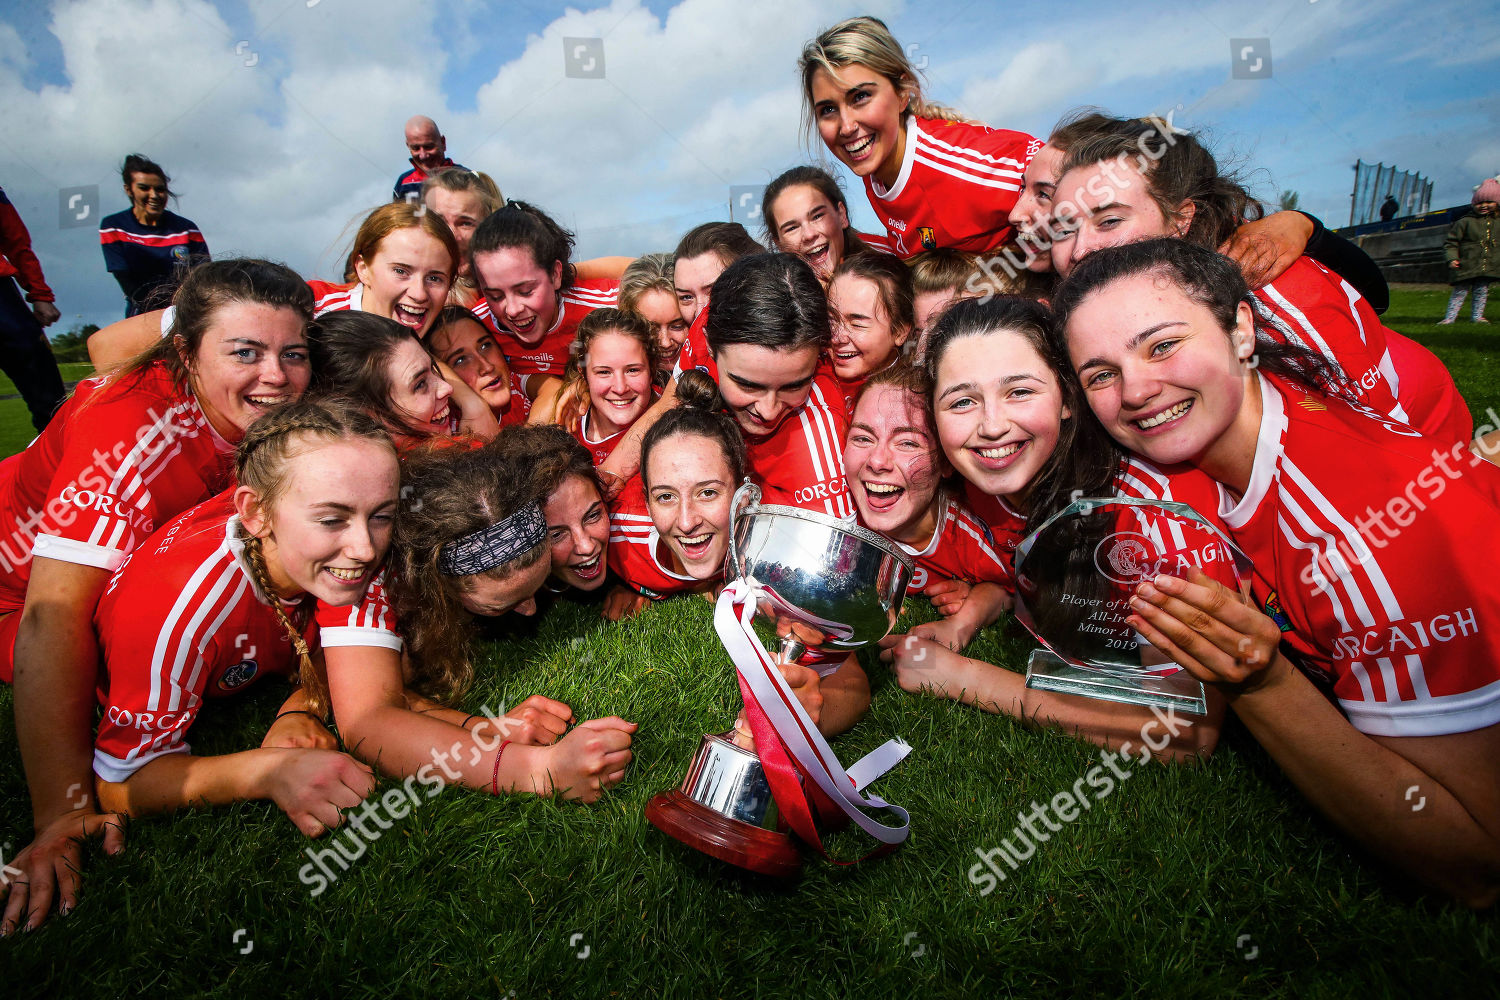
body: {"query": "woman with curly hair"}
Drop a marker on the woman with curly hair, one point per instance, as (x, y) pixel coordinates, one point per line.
(471, 541)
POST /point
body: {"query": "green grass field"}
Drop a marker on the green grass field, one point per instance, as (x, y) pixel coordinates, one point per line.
(1203, 881)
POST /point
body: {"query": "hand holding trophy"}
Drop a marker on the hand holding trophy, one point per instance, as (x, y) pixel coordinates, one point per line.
(1075, 576)
(830, 588)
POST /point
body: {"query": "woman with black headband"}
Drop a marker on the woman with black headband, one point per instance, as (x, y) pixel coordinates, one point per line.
(469, 542)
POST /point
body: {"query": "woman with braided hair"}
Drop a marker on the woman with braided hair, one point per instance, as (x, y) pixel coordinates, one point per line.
(242, 586)
(124, 455)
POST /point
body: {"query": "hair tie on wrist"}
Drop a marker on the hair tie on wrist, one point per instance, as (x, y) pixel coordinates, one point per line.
(495, 778)
(299, 711)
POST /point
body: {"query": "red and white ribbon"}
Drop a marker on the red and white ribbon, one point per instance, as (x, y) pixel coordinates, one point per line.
(778, 720)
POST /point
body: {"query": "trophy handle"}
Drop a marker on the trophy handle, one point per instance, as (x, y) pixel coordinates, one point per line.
(748, 494)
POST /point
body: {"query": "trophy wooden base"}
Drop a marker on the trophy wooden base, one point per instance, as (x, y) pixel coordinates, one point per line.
(736, 842)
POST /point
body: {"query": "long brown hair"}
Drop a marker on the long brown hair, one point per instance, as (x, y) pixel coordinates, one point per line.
(209, 287)
(448, 493)
(260, 463)
(1176, 167)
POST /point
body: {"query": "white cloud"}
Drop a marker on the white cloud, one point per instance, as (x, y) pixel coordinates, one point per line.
(284, 157)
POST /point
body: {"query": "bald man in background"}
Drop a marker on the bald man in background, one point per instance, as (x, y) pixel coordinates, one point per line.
(429, 155)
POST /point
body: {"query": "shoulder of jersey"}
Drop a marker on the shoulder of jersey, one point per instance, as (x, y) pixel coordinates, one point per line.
(975, 152)
(328, 297)
(596, 293)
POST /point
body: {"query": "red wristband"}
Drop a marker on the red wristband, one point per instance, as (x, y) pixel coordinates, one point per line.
(495, 778)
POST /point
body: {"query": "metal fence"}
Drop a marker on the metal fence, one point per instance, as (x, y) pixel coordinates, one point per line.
(1374, 182)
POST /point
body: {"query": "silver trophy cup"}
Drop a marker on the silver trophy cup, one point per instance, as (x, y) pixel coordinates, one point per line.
(829, 588)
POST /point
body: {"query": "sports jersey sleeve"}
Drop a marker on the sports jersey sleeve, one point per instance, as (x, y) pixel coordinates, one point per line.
(165, 631)
(128, 465)
(978, 560)
(1363, 539)
(694, 352)
(1311, 307)
(371, 622)
(18, 257)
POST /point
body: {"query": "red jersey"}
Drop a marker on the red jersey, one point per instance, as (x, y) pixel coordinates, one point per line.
(1006, 525)
(601, 449)
(549, 356)
(961, 548)
(519, 409)
(637, 554)
(183, 620)
(877, 241)
(1314, 308)
(1363, 538)
(121, 456)
(329, 297)
(694, 352)
(957, 186)
(801, 463)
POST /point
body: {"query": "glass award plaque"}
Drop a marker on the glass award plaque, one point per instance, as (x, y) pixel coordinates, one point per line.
(1075, 576)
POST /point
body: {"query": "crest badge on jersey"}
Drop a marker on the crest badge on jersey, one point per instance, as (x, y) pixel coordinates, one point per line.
(929, 238)
(239, 675)
(1276, 613)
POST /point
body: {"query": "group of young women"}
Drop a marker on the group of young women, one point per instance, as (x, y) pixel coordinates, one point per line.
(332, 481)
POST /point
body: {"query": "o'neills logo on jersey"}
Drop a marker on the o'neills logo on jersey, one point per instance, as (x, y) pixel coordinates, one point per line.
(239, 675)
(820, 491)
(898, 225)
(1399, 638)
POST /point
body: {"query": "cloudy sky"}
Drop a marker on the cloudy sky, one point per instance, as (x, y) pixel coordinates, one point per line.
(280, 120)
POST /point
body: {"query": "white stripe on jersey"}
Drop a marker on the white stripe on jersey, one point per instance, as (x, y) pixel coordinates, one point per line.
(212, 629)
(215, 575)
(594, 297)
(332, 302)
(1418, 676)
(1306, 335)
(964, 525)
(1000, 168)
(965, 175)
(833, 457)
(1385, 365)
(133, 463)
(1356, 543)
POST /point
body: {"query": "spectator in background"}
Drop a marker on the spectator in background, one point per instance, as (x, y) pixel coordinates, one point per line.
(25, 355)
(1389, 208)
(464, 198)
(429, 155)
(1473, 258)
(147, 248)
